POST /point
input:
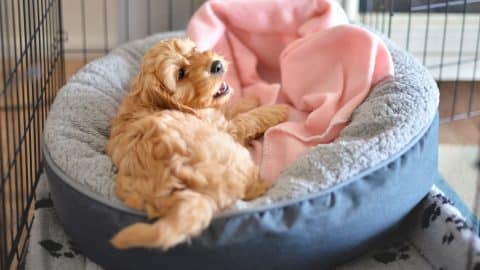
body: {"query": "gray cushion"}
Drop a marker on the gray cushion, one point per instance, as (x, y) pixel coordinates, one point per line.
(329, 205)
(391, 116)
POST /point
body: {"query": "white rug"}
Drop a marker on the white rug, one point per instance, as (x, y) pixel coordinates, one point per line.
(457, 165)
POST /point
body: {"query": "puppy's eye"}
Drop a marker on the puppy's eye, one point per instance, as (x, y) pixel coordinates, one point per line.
(181, 73)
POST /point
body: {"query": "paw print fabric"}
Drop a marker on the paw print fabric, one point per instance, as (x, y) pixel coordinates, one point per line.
(49, 247)
(439, 239)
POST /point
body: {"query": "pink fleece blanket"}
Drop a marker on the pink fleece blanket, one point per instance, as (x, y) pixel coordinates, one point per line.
(302, 53)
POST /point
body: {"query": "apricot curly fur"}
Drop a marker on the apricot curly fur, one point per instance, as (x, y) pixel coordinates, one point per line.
(180, 153)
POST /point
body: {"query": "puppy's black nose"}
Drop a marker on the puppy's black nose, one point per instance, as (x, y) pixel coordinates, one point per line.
(217, 67)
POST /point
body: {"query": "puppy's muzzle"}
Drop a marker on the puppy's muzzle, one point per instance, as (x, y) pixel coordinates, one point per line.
(217, 67)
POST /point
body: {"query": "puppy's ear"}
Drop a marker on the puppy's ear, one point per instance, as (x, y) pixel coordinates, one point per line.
(184, 45)
(151, 91)
(169, 74)
(169, 102)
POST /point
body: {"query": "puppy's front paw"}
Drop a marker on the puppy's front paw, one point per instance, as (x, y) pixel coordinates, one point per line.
(277, 113)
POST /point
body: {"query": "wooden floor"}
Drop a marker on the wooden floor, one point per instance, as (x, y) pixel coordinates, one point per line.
(467, 96)
(460, 132)
(460, 139)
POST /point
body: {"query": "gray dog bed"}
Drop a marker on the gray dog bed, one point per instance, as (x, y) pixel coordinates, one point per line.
(329, 205)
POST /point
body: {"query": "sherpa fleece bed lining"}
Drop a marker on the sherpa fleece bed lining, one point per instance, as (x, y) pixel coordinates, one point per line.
(234, 212)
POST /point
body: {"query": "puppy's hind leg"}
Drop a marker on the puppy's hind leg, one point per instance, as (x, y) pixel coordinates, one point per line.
(257, 187)
(128, 191)
(189, 214)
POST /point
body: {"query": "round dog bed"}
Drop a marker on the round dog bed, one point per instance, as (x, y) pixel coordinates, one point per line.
(328, 206)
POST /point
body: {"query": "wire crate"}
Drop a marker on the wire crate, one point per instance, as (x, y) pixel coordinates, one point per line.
(31, 72)
(43, 42)
(444, 35)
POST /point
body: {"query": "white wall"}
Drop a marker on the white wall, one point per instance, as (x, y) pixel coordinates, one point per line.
(137, 12)
(118, 28)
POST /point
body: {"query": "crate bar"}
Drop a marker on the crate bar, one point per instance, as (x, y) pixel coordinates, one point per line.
(13, 181)
(474, 82)
(149, 19)
(476, 208)
(7, 224)
(427, 31)
(392, 2)
(48, 63)
(444, 37)
(127, 21)
(34, 151)
(442, 5)
(105, 26)
(19, 161)
(84, 32)
(29, 43)
(6, 181)
(26, 97)
(460, 54)
(20, 117)
(383, 15)
(409, 25)
(30, 98)
(44, 65)
(170, 16)
(59, 21)
(38, 170)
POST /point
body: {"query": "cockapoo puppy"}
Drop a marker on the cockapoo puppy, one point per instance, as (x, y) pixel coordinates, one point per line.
(179, 152)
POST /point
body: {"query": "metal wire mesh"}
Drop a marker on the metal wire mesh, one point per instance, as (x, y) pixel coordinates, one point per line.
(443, 34)
(445, 37)
(31, 72)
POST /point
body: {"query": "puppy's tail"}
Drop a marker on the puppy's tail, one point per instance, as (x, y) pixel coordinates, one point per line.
(189, 215)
